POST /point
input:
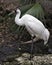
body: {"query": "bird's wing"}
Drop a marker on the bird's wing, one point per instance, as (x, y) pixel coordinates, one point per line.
(37, 28)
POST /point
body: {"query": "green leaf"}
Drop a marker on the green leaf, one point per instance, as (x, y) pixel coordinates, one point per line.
(36, 11)
(25, 8)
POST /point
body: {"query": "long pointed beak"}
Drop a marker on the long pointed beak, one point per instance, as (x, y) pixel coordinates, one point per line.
(12, 12)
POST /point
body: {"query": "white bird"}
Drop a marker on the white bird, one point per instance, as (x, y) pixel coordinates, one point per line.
(34, 26)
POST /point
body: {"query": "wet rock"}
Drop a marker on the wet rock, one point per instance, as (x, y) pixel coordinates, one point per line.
(26, 55)
(23, 61)
(42, 60)
(20, 59)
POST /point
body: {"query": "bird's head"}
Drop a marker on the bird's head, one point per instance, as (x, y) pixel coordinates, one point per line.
(18, 11)
(47, 35)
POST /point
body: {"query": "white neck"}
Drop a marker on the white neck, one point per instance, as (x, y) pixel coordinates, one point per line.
(18, 19)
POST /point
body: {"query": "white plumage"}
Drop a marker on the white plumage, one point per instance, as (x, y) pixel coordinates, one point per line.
(34, 26)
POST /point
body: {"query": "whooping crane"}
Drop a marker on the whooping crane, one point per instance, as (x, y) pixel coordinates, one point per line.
(34, 26)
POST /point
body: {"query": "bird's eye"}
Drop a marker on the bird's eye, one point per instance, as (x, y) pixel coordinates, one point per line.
(15, 11)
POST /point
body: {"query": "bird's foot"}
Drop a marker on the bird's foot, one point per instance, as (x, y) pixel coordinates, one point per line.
(31, 56)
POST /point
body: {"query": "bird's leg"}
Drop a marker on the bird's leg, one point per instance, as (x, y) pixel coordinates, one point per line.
(30, 41)
(31, 48)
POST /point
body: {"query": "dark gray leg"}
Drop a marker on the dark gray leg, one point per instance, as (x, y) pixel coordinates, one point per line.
(31, 48)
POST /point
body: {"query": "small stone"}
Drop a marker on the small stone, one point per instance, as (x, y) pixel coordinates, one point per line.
(26, 55)
(2, 40)
(19, 48)
(20, 59)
